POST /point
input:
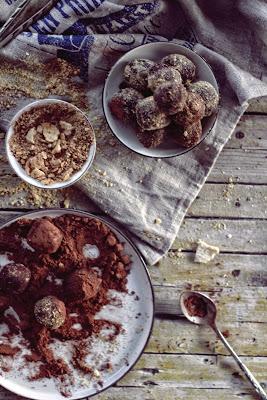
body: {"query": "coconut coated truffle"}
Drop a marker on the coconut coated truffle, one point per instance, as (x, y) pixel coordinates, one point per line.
(82, 284)
(189, 136)
(161, 74)
(170, 97)
(45, 236)
(194, 110)
(123, 103)
(136, 73)
(14, 278)
(208, 94)
(182, 64)
(50, 312)
(151, 139)
(149, 116)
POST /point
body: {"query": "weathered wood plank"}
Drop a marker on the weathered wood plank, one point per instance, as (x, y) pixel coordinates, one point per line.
(227, 270)
(230, 200)
(250, 133)
(233, 304)
(179, 336)
(258, 105)
(193, 371)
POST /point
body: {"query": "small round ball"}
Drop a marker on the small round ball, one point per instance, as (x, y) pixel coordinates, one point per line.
(149, 116)
(82, 284)
(161, 74)
(14, 278)
(182, 64)
(45, 236)
(194, 110)
(136, 72)
(151, 139)
(123, 103)
(50, 312)
(189, 136)
(208, 93)
(170, 97)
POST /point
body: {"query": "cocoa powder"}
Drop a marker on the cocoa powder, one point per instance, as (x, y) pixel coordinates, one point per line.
(49, 272)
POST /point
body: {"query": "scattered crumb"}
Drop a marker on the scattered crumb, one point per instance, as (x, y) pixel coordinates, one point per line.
(205, 252)
(229, 235)
(219, 226)
(157, 221)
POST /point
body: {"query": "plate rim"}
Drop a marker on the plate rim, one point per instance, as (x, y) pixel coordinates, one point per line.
(143, 263)
(186, 150)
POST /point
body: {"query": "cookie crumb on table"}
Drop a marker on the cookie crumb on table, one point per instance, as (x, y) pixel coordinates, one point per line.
(205, 252)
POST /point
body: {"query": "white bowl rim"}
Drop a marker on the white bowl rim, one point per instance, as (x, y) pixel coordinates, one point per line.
(175, 46)
(19, 170)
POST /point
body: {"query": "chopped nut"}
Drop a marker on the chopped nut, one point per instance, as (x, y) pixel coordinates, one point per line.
(157, 221)
(31, 135)
(50, 132)
(37, 173)
(57, 148)
(205, 252)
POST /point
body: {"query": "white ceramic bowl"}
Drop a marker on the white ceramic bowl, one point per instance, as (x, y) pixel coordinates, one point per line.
(125, 132)
(18, 168)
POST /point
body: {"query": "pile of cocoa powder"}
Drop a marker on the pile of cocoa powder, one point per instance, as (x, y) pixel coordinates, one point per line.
(49, 273)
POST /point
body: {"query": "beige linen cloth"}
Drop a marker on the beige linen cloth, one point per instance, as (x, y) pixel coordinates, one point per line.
(133, 190)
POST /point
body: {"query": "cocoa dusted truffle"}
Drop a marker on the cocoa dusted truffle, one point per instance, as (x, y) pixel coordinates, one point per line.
(45, 236)
(189, 136)
(136, 72)
(82, 284)
(149, 116)
(193, 111)
(123, 103)
(208, 93)
(14, 278)
(50, 312)
(182, 64)
(170, 97)
(162, 74)
(151, 139)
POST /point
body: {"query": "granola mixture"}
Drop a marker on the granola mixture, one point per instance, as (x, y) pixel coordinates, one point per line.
(51, 142)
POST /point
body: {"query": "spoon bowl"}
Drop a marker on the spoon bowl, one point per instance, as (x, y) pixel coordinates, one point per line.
(198, 308)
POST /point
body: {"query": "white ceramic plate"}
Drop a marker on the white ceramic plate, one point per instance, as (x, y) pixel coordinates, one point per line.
(153, 51)
(136, 316)
(18, 168)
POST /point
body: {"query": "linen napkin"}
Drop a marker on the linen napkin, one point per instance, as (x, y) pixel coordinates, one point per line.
(149, 197)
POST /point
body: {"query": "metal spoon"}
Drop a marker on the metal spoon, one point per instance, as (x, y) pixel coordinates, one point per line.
(204, 313)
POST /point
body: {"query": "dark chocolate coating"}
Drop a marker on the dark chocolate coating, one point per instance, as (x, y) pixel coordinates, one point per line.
(208, 93)
(170, 97)
(14, 278)
(123, 103)
(50, 312)
(182, 64)
(149, 116)
(193, 111)
(82, 284)
(162, 74)
(189, 136)
(151, 139)
(136, 72)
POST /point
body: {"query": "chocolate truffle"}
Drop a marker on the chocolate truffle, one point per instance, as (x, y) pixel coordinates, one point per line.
(182, 64)
(14, 278)
(162, 74)
(194, 110)
(82, 284)
(50, 312)
(151, 138)
(189, 136)
(208, 93)
(136, 72)
(45, 236)
(123, 103)
(170, 97)
(149, 116)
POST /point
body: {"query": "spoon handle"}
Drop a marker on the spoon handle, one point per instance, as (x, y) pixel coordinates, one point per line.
(246, 371)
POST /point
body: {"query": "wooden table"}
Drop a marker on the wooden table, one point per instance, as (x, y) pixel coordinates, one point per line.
(184, 361)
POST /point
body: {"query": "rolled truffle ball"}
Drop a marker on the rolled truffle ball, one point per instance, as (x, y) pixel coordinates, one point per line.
(208, 93)
(45, 236)
(151, 139)
(170, 97)
(193, 111)
(136, 72)
(123, 103)
(189, 136)
(50, 312)
(182, 64)
(161, 74)
(82, 284)
(149, 116)
(14, 278)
